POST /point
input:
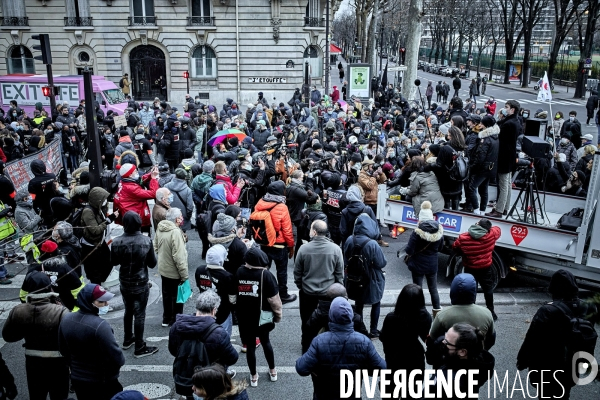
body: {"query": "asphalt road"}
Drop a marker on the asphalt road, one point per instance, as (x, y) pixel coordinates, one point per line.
(518, 300)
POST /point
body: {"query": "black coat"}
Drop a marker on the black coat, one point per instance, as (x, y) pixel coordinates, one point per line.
(448, 187)
(485, 155)
(507, 149)
(423, 247)
(260, 138)
(456, 83)
(297, 196)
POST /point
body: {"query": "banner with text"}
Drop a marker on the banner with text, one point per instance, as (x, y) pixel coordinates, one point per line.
(20, 173)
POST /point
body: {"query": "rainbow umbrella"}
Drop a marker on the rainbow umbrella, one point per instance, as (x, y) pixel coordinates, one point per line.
(226, 134)
(343, 105)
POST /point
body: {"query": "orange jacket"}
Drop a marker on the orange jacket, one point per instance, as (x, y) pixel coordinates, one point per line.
(280, 216)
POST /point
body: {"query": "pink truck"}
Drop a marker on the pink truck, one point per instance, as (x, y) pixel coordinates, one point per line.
(26, 89)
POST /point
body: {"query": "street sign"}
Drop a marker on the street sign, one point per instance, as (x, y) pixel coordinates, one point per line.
(587, 63)
(470, 57)
(398, 68)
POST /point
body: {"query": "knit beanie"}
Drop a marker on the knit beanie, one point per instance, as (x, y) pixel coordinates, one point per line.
(224, 225)
(126, 170)
(216, 255)
(180, 173)
(21, 194)
(208, 166)
(188, 153)
(425, 214)
(256, 257)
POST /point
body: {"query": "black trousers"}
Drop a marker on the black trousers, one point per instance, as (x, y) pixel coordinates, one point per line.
(170, 306)
(47, 376)
(308, 304)
(280, 256)
(135, 307)
(96, 267)
(97, 390)
(483, 276)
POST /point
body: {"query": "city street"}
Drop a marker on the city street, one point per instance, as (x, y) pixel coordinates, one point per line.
(517, 299)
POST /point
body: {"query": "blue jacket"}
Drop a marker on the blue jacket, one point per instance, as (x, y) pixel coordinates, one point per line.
(351, 213)
(423, 246)
(366, 229)
(88, 342)
(339, 348)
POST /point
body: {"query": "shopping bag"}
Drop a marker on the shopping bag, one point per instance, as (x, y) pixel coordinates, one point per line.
(184, 292)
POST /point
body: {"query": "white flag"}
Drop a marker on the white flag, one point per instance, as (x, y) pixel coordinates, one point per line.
(545, 94)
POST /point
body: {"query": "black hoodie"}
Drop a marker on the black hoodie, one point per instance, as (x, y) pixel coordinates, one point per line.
(41, 188)
(134, 252)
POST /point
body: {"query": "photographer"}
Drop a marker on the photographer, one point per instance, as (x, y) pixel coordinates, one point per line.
(451, 189)
(221, 153)
(370, 176)
(254, 177)
(298, 193)
(483, 164)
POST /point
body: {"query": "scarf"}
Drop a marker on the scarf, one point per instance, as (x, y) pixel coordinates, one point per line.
(273, 198)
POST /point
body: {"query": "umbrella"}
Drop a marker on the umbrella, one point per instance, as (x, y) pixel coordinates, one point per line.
(226, 134)
(343, 105)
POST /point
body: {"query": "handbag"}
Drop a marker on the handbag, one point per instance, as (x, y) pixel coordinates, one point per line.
(184, 292)
(266, 317)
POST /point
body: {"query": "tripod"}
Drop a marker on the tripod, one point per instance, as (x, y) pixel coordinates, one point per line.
(528, 196)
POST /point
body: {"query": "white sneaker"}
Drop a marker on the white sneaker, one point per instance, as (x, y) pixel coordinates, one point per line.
(477, 212)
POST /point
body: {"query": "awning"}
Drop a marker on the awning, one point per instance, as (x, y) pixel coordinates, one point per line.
(333, 49)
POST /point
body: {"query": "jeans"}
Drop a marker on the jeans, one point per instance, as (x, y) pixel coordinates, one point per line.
(308, 304)
(47, 376)
(479, 183)
(96, 390)
(474, 100)
(504, 189)
(135, 307)
(228, 325)
(455, 93)
(170, 306)
(431, 285)
(280, 256)
(375, 311)
(74, 158)
(483, 276)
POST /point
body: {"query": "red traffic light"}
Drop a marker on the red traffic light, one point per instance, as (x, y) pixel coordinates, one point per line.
(186, 74)
(46, 91)
(402, 49)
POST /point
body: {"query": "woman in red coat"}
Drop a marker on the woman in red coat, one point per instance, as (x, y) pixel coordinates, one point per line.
(133, 195)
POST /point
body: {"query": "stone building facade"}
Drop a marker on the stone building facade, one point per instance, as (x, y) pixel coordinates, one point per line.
(230, 50)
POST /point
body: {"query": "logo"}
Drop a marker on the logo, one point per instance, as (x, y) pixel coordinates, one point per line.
(580, 368)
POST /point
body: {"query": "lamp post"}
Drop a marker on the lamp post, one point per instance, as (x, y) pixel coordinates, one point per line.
(186, 75)
(327, 61)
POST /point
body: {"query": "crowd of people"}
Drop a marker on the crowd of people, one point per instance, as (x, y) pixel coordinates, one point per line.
(298, 181)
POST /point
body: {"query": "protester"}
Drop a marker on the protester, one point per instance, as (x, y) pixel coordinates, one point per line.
(162, 204)
(134, 196)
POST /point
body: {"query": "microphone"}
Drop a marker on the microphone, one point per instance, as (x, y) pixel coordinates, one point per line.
(417, 82)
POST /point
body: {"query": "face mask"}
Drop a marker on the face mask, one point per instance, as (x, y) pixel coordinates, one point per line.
(419, 132)
(330, 112)
(146, 108)
(103, 310)
(105, 202)
(171, 198)
(357, 130)
(504, 112)
(248, 168)
(564, 141)
(135, 176)
(196, 397)
(557, 116)
(14, 114)
(302, 113)
(107, 135)
(29, 200)
(571, 119)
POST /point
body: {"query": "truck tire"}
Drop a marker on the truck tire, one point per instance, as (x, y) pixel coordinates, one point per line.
(455, 267)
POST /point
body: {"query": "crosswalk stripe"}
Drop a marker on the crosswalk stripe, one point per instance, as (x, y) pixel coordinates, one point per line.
(169, 368)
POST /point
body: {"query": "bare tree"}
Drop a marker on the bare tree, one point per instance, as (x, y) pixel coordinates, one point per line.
(530, 14)
(496, 34)
(344, 31)
(564, 19)
(482, 32)
(512, 29)
(362, 10)
(587, 18)
(412, 47)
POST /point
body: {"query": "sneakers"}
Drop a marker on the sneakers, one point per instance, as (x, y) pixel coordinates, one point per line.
(374, 334)
(382, 243)
(164, 325)
(5, 281)
(254, 382)
(477, 212)
(273, 377)
(146, 351)
(128, 343)
(289, 298)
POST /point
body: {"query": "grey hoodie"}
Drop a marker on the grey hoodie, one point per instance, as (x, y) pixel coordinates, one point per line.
(179, 186)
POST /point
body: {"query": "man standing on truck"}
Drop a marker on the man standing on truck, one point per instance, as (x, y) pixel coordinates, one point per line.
(476, 246)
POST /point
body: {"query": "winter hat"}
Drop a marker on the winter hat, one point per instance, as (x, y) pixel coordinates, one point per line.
(352, 139)
(566, 134)
(21, 194)
(444, 128)
(123, 132)
(208, 166)
(126, 170)
(356, 157)
(49, 246)
(488, 121)
(180, 173)
(277, 188)
(580, 175)
(224, 224)
(216, 255)
(439, 109)
(84, 178)
(414, 153)
(64, 230)
(485, 224)
(434, 149)
(563, 285)
(188, 153)
(317, 146)
(61, 208)
(234, 141)
(475, 118)
(255, 257)
(129, 395)
(425, 214)
(429, 226)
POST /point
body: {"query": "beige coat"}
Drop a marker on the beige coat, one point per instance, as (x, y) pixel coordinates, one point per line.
(369, 185)
(126, 85)
(169, 245)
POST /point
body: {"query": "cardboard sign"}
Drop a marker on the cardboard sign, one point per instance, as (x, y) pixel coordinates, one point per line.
(20, 173)
(518, 233)
(120, 121)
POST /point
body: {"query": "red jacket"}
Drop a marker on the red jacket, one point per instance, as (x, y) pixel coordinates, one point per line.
(477, 253)
(280, 216)
(232, 192)
(132, 197)
(2, 156)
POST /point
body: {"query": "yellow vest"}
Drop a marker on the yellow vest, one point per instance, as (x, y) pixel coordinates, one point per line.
(6, 225)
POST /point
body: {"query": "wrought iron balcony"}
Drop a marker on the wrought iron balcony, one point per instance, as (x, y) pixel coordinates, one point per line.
(142, 21)
(200, 21)
(78, 21)
(15, 21)
(314, 22)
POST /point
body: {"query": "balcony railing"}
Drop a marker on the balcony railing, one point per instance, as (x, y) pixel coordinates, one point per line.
(78, 21)
(142, 21)
(314, 22)
(200, 21)
(15, 21)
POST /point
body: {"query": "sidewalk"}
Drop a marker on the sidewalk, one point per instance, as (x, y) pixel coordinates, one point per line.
(559, 93)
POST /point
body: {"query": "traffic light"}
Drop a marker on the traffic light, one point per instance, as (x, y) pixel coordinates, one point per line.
(44, 47)
(46, 91)
(402, 55)
(186, 74)
(56, 90)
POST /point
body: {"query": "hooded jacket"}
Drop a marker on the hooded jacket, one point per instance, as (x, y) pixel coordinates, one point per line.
(424, 186)
(483, 363)
(369, 184)
(463, 293)
(123, 146)
(232, 192)
(424, 244)
(352, 211)
(218, 203)
(339, 348)
(93, 217)
(485, 154)
(88, 343)
(131, 196)
(179, 188)
(366, 233)
(274, 202)
(477, 246)
(41, 188)
(169, 245)
(134, 253)
(296, 196)
(27, 219)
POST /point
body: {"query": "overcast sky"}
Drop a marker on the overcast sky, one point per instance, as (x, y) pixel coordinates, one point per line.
(344, 6)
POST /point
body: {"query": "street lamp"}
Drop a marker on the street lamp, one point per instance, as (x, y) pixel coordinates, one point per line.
(186, 75)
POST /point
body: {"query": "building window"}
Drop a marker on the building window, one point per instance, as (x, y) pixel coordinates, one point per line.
(312, 16)
(204, 63)
(315, 61)
(20, 61)
(13, 13)
(78, 13)
(84, 56)
(201, 13)
(142, 13)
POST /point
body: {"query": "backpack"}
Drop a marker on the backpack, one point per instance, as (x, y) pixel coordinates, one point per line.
(77, 223)
(143, 156)
(357, 276)
(261, 228)
(459, 171)
(191, 355)
(121, 84)
(108, 181)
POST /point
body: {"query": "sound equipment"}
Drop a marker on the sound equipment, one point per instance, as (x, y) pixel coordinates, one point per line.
(535, 147)
(536, 127)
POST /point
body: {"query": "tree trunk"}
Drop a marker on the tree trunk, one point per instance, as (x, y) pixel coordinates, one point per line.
(459, 53)
(553, 59)
(509, 56)
(412, 48)
(526, 53)
(443, 56)
(374, 36)
(493, 60)
(586, 51)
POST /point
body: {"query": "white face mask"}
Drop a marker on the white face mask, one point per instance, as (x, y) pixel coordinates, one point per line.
(571, 119)
(302, 113)
(135, 176)
(564, 141)
(103, 310)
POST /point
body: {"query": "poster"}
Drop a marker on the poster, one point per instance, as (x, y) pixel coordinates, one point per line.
(515, 72)
(19, 172)
(120, 121)
(359, 82)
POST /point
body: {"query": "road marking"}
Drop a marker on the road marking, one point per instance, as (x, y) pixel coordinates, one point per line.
(150, 390)
(169, 368)
(157, 338)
